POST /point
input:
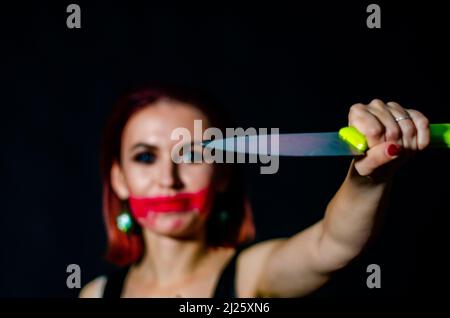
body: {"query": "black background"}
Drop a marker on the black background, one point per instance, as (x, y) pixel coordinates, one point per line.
(298, 67)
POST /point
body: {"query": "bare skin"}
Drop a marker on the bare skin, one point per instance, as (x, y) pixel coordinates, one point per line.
(177, 263)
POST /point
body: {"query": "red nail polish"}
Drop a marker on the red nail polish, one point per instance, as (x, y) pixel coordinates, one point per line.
(393, 150)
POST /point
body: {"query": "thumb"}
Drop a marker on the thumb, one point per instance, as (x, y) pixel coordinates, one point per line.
(376, 157)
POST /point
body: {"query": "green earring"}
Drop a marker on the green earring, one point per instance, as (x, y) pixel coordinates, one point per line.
(223, 216)
(124, 221)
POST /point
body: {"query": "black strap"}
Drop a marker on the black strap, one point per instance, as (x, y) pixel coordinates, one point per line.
(225, 287)
(114, 283)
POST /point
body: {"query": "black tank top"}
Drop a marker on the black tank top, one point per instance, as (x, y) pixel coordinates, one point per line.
(225, 287)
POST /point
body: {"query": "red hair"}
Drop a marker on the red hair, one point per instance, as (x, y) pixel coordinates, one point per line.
(123, 248)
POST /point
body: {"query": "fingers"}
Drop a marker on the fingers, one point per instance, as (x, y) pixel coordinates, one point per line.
(423, 128)
(387, 137)
(392, 129)
(377, 122)
(377, 156)
(368, 124)
(407, 127)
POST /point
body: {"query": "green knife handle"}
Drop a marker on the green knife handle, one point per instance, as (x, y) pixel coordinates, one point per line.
(439, 137)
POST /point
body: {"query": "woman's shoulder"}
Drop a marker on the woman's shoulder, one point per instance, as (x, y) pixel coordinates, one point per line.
(94, 289)
(258, 251)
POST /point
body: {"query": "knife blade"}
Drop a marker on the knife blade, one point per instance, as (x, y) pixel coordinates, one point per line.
(297, 145)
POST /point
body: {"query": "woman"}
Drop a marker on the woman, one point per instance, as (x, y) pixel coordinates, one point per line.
(190, 221)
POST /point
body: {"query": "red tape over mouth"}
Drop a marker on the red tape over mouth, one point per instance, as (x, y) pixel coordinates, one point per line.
(180, 202)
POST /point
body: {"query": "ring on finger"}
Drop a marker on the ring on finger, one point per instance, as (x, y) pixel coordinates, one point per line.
(397, 119)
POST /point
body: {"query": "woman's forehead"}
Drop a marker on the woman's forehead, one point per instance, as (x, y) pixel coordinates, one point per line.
(156, 122)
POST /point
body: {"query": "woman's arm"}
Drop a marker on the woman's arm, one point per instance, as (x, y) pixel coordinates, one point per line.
(302, 263)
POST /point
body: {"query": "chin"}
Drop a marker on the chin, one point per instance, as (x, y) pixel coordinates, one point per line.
(177, 225)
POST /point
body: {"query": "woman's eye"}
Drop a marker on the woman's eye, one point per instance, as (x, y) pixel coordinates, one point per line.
(144, 157)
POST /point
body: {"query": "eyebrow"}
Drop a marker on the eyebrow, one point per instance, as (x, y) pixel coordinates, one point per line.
(144, 145)
(154, 148)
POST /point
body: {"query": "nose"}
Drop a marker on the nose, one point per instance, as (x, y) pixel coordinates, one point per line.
(168, 176)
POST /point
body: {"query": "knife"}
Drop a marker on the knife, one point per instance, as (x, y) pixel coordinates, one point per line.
(348, 141)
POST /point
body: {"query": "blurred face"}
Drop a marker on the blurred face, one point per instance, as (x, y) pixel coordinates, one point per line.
(147, 170)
